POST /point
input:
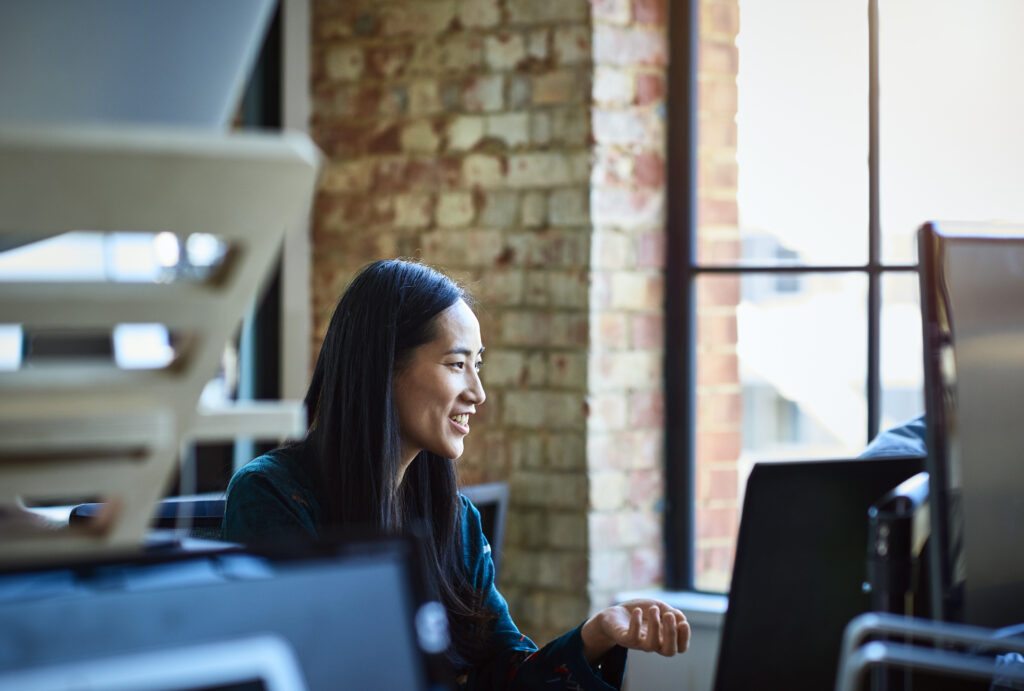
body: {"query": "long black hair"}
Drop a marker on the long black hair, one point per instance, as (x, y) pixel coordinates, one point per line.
(354, 440)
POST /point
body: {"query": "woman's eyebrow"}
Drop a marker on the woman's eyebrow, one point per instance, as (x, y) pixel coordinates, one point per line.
(457, 350)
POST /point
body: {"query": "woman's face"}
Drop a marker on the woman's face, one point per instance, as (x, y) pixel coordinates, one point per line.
(438, 390)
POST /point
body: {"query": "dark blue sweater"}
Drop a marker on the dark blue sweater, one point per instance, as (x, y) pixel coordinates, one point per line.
(272, 497)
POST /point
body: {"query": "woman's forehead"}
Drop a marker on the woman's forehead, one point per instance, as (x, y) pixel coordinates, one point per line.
(458, 325)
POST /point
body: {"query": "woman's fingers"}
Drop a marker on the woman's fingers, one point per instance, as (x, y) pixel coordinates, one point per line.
(635, 624)
(682, 633)
(653, 641)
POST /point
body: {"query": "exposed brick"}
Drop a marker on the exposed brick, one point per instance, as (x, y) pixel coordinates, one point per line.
(424, 98)
(511, 129)
(566, 370)
(719, 96)
(607, 412)
(718, 56)
(608, 490)
(629, 127)
(454, 209)
(650, 12)
(647, 330)
(567, 530)
(566, 452)
(613, 86)
(609, 568)
(535, 209)
(465, 131)
(717, 368)
(538, 170)
(719, 290)
(613, 166)
(484, 93)
(717, 212)
(649, 169)
(413, 210)
(559, 86)
(647, 409)
(482, 170)
(611, 11)
(717, 522)
(345, 63)
(630, 46)
(478, 14)
(546, 11)
(612, 330)
(569, 207)
(572, 44)
(537, 45)
(624, 369)
(717, 329)
(713, 447)
(417, 18)
(646, 487)
(347, 176)
(719, 411)
(650, 250)
(420, 137)
(504, 51)
(645, 568)
(556, 288)
(722, 17)
(388, 61)
(519, 91)
(650, 88)
(616, 206)
(570, 126)
(500, 209)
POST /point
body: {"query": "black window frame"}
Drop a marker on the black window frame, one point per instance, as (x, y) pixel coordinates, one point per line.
(682, 271)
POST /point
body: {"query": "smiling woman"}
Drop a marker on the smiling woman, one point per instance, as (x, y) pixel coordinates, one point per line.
(395, 386)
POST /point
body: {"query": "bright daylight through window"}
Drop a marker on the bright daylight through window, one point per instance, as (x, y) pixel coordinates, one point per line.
(783, 181)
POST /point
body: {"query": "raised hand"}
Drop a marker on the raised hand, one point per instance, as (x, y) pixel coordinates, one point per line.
(648, 625)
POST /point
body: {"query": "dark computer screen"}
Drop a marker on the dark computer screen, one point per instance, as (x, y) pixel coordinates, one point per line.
(972, 304)
(799, 570)
(353, 616)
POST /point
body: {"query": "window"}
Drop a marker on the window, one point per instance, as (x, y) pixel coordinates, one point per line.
(808, 142)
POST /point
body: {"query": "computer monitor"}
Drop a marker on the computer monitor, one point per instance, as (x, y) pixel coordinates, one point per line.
(128, 62)
(259, 663)
(799, 570)
(353, 616)
(972, 305)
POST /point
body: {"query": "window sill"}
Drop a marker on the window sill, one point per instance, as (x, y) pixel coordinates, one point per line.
(701, 609)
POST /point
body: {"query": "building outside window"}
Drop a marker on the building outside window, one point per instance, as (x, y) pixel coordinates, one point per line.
(792, 291)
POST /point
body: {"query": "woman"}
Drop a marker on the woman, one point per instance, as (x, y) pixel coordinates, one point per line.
(395, 386)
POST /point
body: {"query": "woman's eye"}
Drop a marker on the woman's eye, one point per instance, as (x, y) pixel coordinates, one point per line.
(479, 364)
(458, 365)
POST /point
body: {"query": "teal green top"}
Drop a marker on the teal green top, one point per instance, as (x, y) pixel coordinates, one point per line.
(272, 497)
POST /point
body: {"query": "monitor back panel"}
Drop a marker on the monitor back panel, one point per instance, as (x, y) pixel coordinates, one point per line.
(799, 569)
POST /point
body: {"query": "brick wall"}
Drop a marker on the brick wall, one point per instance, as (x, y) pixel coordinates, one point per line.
(519, 144)
(719, 395)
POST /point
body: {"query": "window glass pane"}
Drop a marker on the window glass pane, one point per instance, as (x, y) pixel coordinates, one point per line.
(901, 353)
(951, 143)
(782, 159)
(780, 375)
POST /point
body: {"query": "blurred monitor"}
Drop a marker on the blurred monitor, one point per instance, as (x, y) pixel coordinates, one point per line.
(800, 568)
(972, 303)
(141, 62)
(355, 614)
(262, 663)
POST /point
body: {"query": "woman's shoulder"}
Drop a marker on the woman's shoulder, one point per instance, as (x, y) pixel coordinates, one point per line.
(279, 472)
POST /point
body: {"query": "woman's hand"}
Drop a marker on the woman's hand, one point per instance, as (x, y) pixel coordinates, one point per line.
(647, 625)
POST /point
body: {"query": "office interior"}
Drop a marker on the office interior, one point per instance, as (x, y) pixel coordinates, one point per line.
(691, 227)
